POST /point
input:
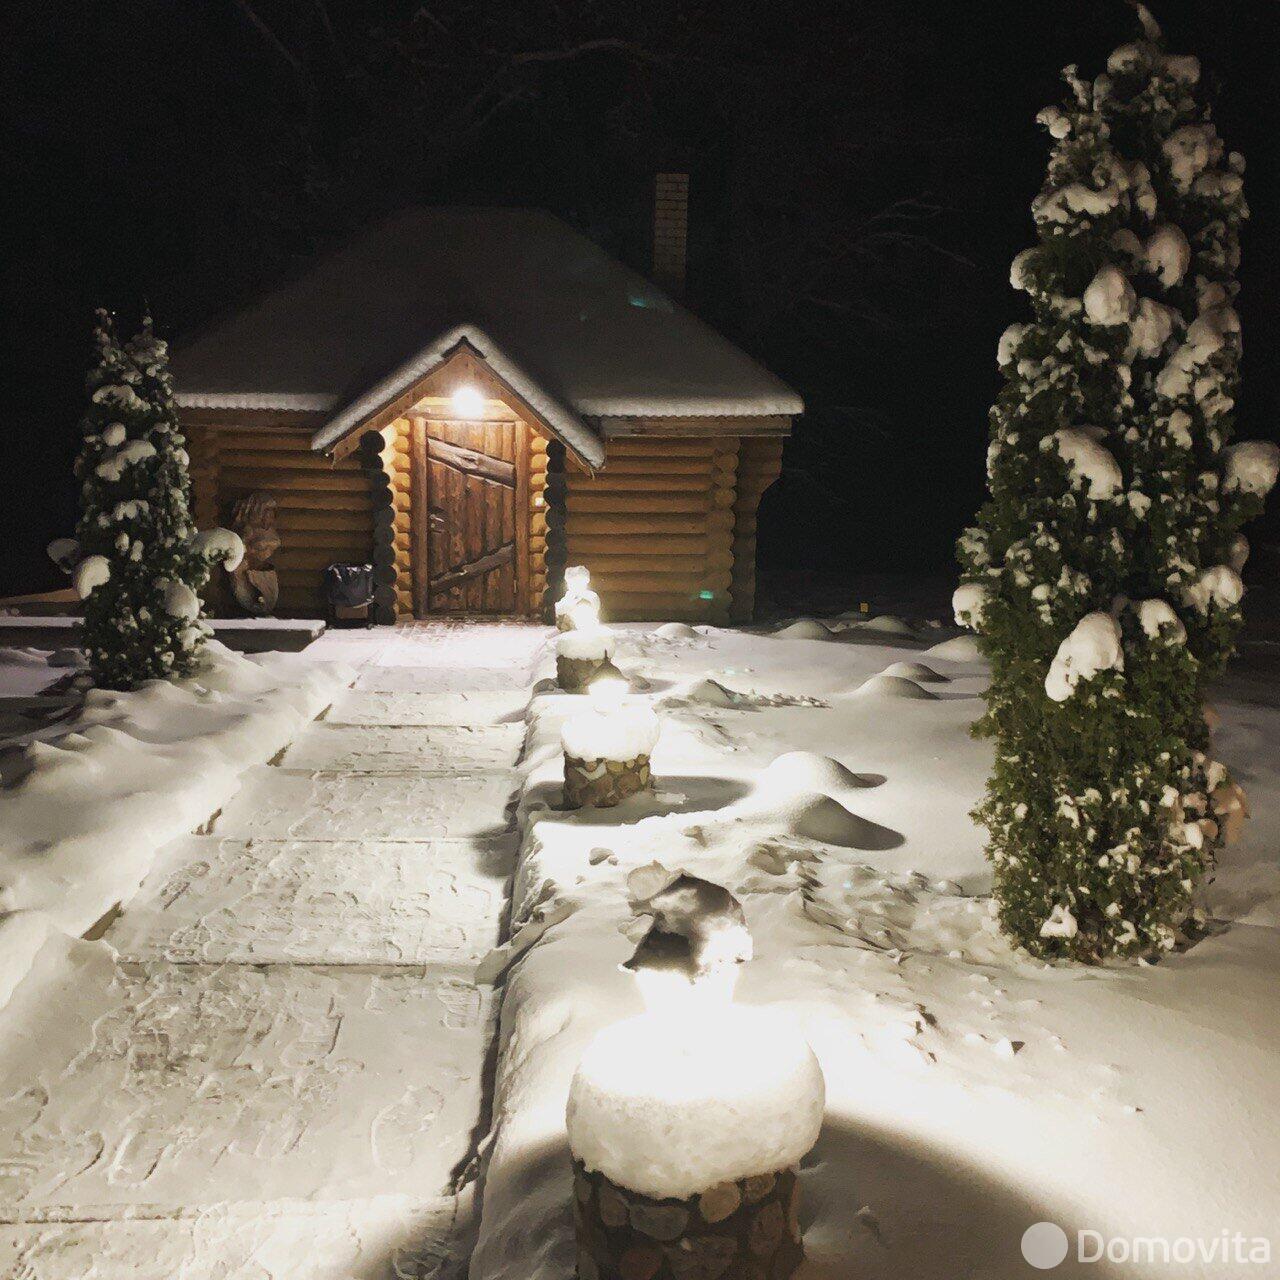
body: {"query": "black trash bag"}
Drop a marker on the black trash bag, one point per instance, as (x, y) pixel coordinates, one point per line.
(349, 586)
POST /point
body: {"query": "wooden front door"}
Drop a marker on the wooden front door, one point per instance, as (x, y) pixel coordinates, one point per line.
(468, 482)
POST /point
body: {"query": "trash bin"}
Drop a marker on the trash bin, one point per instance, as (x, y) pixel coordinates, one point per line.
(348, 593)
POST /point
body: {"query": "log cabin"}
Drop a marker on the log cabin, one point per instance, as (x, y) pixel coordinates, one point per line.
(470, 399)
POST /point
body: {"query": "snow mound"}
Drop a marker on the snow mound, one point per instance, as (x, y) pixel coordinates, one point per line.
(809, 771)
(916, 671)
(887, 624)
(710, 693)
(672, 1106)
(677, 631)
(804, 629)
(811, 815)
(957, 649)
(887, 686)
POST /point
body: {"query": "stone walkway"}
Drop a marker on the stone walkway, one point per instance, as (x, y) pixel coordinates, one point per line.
(282, 1075)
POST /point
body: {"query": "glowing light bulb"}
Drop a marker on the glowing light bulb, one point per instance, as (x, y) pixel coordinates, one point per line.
(606, 694)
(467, 402)
(584, 615)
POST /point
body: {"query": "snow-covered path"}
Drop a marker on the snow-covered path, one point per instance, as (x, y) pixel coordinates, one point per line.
(282, 1072)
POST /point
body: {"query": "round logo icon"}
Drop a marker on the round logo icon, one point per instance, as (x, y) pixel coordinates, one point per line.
(1044, 1245)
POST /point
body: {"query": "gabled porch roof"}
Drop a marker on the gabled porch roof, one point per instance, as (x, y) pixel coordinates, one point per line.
(397, 392)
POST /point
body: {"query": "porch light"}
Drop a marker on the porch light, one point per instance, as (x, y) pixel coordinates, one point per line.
(467, 402)
(687, 1124)
(579, 608)
(607, 747)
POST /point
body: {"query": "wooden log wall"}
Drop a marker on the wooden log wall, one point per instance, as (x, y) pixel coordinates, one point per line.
(656, 527)
(377, 454)
(539, 462)
(397, 458)
(323, 508)
(555, 555)
(759, 465)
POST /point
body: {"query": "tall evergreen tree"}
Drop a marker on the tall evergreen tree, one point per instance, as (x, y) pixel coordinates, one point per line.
(141, 561)
(1103, 575)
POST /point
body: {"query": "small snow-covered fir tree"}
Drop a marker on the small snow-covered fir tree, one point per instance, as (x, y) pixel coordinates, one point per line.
(1103, 575)
(141, 563)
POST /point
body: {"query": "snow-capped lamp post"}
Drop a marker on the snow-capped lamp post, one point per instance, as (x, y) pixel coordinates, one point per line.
(138, 562)
(607, 747)
(687, 1123)
(579, 608)
(1103, 574)
(582, 655)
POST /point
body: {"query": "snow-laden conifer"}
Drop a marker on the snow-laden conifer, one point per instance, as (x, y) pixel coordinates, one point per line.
(141, 563)
(1103, 572)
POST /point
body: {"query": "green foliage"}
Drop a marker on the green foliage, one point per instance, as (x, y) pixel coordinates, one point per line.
(1110, 487)
(142, 562)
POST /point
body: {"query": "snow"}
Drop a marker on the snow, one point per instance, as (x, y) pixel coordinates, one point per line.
(1158, 620)
(800, 771)
(180, 601)
(968, 603)
(223, 545)
(1151, 328)
(1060, 924)
(1220, 585)
(1182, 67)
(970, 1092)
(1109, 298)
(804, 629)
(673, 1105)
(1009, 339)
(22, 935)
(91, 573)
(1092, 648)
(619, 735)
(275, 1061)
(132, 771)
(885, 685)
(593, 643)
(1167, 255)
(916, 671)
(1067, 204)
(1252, 465)
(582, 335)
(114, 464)
(1090, 464)
(1190, 151)
(288, 1094)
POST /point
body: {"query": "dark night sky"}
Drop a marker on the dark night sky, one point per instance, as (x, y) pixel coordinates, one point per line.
(165, 149)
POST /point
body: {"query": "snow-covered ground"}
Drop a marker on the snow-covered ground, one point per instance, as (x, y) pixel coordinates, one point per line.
(970, 1092)
(274, 1063)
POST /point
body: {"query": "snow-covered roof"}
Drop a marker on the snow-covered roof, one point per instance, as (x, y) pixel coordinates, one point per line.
(596, 339)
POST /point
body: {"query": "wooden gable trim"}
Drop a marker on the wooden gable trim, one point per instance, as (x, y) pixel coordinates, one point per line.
(462, 359)
(731, 425)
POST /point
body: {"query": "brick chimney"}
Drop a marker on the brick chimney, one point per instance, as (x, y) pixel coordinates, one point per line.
(670, 230)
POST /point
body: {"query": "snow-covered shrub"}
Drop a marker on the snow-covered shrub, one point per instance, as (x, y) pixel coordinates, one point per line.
(142, 563)
(1103, 573)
